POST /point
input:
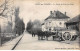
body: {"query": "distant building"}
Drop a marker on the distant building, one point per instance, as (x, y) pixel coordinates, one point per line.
(55, 20)
(74, 23)
(3, 24)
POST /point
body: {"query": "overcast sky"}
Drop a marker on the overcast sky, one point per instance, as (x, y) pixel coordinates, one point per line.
(28, 9)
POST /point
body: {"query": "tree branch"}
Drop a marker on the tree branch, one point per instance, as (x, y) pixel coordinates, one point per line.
(1, 14)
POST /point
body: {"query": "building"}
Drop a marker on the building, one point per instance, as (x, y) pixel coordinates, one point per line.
(5, 27)
(55, 20)
(74, 23)
(3, 24)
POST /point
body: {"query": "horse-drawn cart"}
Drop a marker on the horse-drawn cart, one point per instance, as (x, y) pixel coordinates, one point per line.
(61, 34)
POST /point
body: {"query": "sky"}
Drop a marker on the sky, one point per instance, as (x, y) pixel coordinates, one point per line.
(29, 10)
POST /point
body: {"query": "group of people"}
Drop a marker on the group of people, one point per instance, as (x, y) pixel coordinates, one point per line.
(41, 35)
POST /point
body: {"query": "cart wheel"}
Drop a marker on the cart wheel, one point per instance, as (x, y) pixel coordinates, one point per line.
(66, 36)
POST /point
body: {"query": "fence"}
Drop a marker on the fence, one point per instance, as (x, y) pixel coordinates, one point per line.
(4, 37)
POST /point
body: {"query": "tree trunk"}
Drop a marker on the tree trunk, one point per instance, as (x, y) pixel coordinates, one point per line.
(79, 33)
(0, 36)
(0, 41)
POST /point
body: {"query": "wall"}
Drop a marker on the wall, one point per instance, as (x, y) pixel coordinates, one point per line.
(51, 23)
(3, 23)
(5, 26)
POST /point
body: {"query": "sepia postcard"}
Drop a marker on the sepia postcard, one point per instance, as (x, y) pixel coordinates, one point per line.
(39, 24)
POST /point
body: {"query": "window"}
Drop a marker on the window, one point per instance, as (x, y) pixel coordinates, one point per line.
(50, 29)
(49, 22)
(60, 23)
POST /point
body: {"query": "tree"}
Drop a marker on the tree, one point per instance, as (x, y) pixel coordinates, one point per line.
(5, 8)
(33, 27)
(4, 11)
(36, 26)
(19, 24)
(7, 11)
(29, 26)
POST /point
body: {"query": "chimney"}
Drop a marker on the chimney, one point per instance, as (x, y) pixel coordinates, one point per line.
(50, 12)
(65, 13)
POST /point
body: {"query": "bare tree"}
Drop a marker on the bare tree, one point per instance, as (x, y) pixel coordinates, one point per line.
(6, 10)
(3, 7)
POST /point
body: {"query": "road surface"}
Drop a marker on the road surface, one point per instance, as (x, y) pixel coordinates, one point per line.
(32, 43)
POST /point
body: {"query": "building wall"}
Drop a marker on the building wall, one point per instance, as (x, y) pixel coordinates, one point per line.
(51, 23)
(5, 26)
(3, 23)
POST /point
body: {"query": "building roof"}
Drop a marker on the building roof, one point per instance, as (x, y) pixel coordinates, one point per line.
(75, 19)
(57, 15)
